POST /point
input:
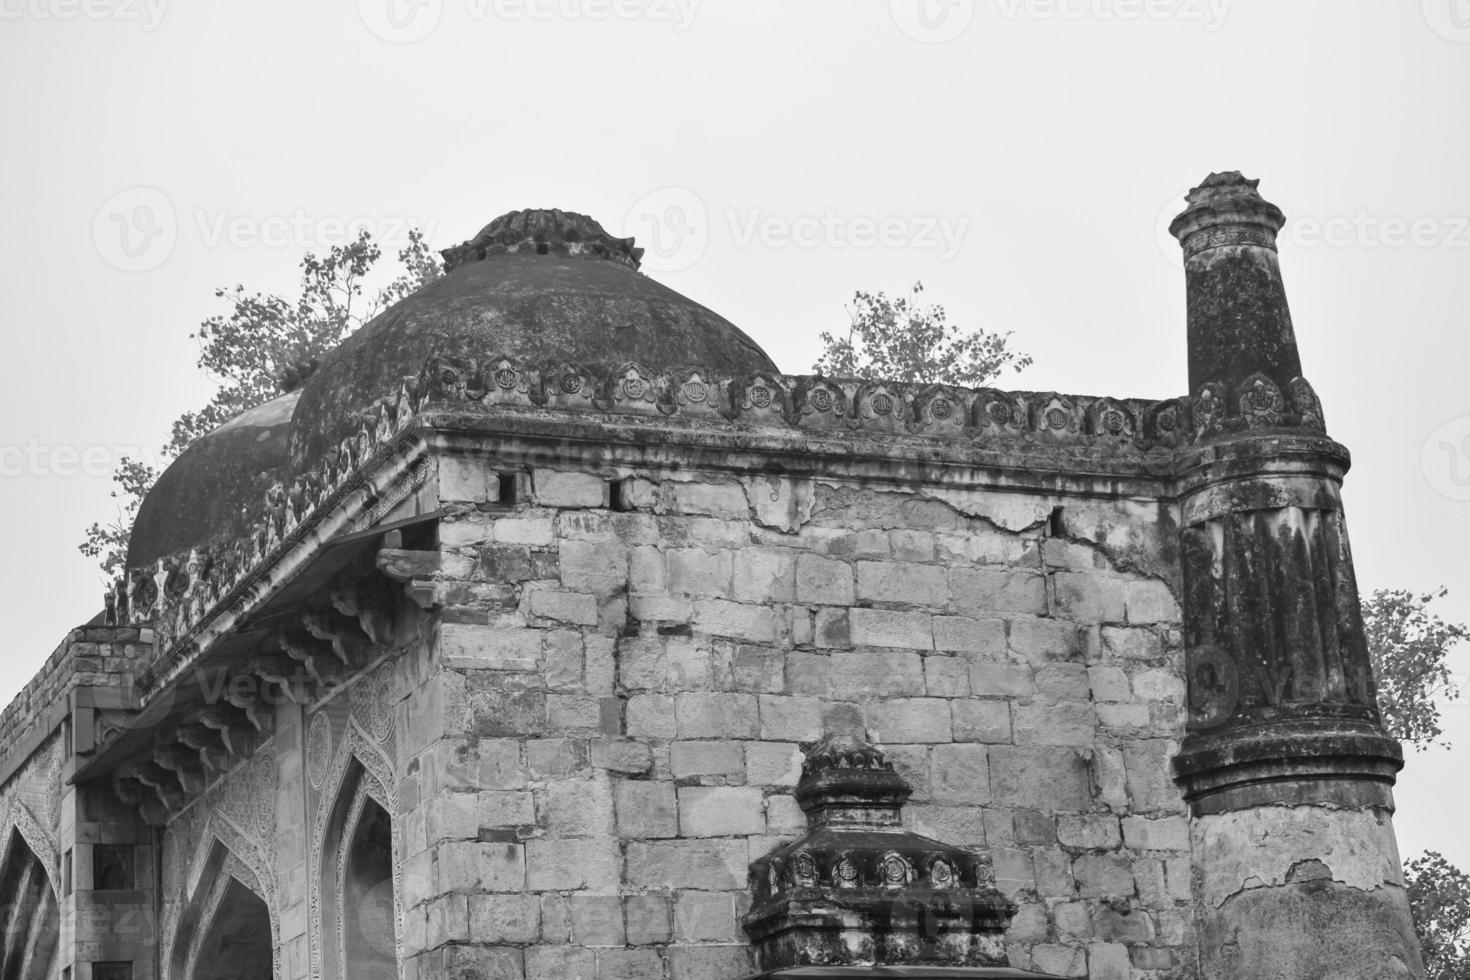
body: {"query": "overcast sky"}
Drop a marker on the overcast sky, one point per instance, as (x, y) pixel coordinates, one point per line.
(1020, 157)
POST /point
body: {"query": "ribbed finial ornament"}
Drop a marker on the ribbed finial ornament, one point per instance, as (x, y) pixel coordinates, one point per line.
(1226, 209)
(548, 231)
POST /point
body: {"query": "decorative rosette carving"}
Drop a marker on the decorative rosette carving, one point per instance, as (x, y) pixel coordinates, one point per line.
(694, 393)
(633, 388)
(759, 397)
(1167, 422)
(1261, 402)
(372, 702)
(881, 406)
(568, 385)
(318, 749)
(998, 413)
(941, 411)
(508, 382)
(1111, 421)
(449, 378)
(803, 870)
(820, 402)
(1208, 411)
(1307, 406)
(1054, 416)
(894, 870)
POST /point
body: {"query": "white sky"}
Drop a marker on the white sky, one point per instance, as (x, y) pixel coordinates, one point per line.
(1023, 168)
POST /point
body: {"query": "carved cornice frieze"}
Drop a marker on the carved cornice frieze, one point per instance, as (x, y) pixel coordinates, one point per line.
(176, 596)
(818, 404)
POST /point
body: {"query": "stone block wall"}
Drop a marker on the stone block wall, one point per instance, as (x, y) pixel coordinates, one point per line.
(626, 665)
(56, 716)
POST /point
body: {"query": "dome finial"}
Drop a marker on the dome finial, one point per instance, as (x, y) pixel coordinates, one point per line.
(544, 232)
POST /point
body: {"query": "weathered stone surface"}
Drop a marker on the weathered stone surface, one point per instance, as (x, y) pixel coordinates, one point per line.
(902, 582)
(910, 720)
(646, 810)
(605, 617)
(891, 628)
(559, 488)
(717, 863)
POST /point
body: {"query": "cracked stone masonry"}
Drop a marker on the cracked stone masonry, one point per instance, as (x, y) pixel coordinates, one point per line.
(549, 632)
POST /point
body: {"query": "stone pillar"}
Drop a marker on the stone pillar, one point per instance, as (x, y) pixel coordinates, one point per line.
(1286, 767)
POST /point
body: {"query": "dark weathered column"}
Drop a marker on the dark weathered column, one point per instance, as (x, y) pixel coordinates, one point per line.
(1286, 766)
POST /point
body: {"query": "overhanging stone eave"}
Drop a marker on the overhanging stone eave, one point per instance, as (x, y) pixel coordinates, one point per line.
(348, 511)
(167, 703)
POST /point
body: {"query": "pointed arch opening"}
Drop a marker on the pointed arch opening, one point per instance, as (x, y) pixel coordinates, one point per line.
(225, 932)
(238, 943)
(359, 901)
(29, 913)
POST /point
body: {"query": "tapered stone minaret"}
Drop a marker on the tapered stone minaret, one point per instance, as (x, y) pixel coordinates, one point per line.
(1286, 766)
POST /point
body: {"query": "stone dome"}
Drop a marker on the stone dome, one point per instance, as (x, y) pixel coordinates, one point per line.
(537, 286)
(213, 491)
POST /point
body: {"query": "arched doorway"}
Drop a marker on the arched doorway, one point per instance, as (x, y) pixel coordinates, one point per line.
(238, 943)
(225, 929)
(359, 914)
(367, 927)
(29, 914)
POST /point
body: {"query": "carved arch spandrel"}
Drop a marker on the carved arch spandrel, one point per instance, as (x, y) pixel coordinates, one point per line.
(30, 913)
(219, 865)
(360, 771)
(16, 818)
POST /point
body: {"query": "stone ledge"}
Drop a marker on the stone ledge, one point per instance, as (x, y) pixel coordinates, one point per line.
(1313, 761)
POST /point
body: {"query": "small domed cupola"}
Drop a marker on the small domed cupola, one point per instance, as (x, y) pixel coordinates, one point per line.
(858, 890)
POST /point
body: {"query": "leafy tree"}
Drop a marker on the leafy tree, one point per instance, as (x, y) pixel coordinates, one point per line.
(903, 339)
(1439, 895)
(1410, 647)
(264, 345)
